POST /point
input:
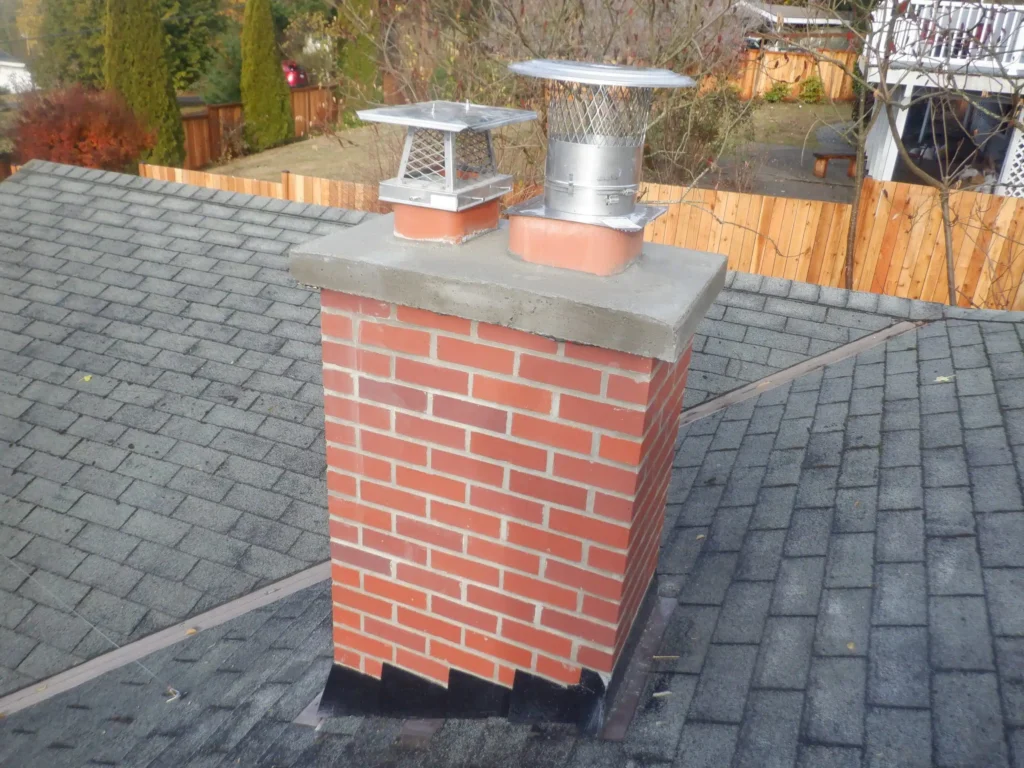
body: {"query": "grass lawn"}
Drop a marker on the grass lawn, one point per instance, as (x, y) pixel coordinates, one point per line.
(790, 123)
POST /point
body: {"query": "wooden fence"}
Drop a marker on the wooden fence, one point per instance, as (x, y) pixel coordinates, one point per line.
(303, 189)
(760, 70)
(900, 248)
(206, 132)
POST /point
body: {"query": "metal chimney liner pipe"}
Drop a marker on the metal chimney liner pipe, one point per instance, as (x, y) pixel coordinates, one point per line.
(597, 122)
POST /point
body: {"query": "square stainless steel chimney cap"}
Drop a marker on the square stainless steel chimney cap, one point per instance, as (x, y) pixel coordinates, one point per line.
(448, 158)
(447, 116)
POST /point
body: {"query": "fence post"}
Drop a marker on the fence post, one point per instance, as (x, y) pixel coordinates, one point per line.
(286, 185)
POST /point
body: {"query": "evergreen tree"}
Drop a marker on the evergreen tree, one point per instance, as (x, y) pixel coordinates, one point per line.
(70, 45)
(266, 100)
(136, 67)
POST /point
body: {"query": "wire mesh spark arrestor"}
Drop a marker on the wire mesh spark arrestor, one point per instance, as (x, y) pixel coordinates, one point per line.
(597, 122)
(448, 185)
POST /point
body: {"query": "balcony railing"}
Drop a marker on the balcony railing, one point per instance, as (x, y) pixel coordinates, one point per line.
(952, 35)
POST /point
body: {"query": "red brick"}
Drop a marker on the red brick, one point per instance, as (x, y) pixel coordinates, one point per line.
(395, 634)
(421, 665)
(543, 541)
(373, 667)
(509, 450)
(568, 674)
(406, 550)
(430, 431)
(591, 658)
(613, 507)
(513, 338)
(620, 450)
(557, 374)
(500, 603)
(504, 504)
(358, 464)
(336, 326)
(501, 555)
(603, 415)
(338, 381)
(429, 319)
(346, 616)
(351, 639)
(586, 527)
(504, 651)
(396, 593)
(430, 625)
(468, 662)
(606, 560)
(594, 583)
(609, 357)
(577, 627)
(360, 558)
(359, 513)
(628, 390)
(549, 433)
(349, 598)
(466, 519)
(348, 577)
(463, 466)
(602, 610)
(540, 590)
(465, 412)
(344, 434)
(421, 577)
(339, 483)
(435, 485)
(348, 658)
(530, 636)
(595, 474)
(392, 498)
(429, 534)
(354, 411)
(356, 304)
(467, 569)
(509, 393)
(362, 360)
(342, 531)
(506, 676)
(548, 490)
(432, 376)
(464, 614)
(392, 447)
(472, 355)
(393, 394)
(407, 340)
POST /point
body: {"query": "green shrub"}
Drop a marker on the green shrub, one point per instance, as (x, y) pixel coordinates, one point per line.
(266, 99)
(812, 90)
(136, 67)
(778, 92)
(222, 83)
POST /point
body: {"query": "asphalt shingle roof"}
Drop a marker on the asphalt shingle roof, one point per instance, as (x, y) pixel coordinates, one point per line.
(161, 410)
(846, 550)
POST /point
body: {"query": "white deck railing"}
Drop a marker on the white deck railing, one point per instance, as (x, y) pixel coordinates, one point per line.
(952, 35)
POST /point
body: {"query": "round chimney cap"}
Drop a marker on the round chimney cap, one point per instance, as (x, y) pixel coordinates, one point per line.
(601, 74)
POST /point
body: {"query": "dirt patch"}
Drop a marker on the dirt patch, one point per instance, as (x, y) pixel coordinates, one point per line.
(791, 123)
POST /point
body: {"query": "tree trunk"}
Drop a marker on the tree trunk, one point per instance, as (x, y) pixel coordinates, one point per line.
(947, 231)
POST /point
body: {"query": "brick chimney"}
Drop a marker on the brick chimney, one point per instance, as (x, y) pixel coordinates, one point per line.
(499, 447)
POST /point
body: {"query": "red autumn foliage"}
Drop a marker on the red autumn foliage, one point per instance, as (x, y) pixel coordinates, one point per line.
(76, 126)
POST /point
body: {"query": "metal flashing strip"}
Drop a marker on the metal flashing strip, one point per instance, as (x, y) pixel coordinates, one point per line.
(133, 652)
(755, 388)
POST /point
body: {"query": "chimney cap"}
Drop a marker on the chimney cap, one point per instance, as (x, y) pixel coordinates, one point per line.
(450, 116)
(601, 74)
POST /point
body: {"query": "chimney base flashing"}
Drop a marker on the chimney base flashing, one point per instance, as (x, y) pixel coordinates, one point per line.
(651, 309)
